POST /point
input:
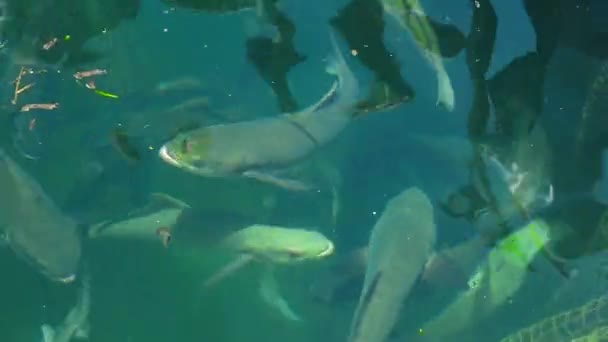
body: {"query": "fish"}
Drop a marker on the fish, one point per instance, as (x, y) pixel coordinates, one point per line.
(411, 16)
(272, 245)
(401, 242)
(142, 224)
(512, 179)
(512, 190)
(446, 270)
(515, 198)
(278, 245)
(75, 325)
(497, 278)
(249, 149)
(34, 227)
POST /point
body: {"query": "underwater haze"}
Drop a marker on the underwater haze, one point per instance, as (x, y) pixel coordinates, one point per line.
(284, 170)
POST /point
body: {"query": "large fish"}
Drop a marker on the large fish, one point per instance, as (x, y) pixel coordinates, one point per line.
(34, 226)
(501, 273)
(256, 148)
(401, 242)
(142, 224)
(273, 245)
(445, 270)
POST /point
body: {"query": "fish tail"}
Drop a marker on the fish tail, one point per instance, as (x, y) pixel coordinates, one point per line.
(347, 87)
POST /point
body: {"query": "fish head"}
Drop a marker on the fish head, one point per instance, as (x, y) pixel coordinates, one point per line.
(189, 151)
(56, 255)
(284, 245)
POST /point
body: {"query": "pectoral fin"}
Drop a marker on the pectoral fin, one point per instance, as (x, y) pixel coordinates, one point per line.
(285, 183)
(269, 290)
(237, 264)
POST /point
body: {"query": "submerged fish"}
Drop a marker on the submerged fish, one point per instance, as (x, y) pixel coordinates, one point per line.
(34, 227)
(76, 322)
(273, 245)
(410, 15)
(401, 242)
(250, 149)
(143, 223)
(514, 193)
(498, 277)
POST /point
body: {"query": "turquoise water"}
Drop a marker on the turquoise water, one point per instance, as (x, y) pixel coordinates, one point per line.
(167, 67)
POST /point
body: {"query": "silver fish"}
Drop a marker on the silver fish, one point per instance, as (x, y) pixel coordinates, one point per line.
(258, 148)
(34, 227)
(400, 244)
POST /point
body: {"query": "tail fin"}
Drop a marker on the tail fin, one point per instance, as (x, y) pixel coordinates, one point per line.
(336, 65)
(345, 91)
(336, 60)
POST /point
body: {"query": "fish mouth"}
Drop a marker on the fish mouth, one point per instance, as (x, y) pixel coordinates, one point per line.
(166, 156)
(327, 251)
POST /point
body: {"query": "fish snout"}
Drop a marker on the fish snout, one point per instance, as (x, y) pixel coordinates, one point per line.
(327, 251)
(166, 156)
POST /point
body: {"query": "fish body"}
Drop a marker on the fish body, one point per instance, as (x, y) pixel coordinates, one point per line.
(279, 245)
(401, 242)
(76, 323)
(511, 190)
(253, 148)
(499, 276)
(142, 224)
(272, 245)
(34, 226)
(515, 189)
(411, 16)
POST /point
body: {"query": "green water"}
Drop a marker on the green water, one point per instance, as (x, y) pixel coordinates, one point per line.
(544, 70)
